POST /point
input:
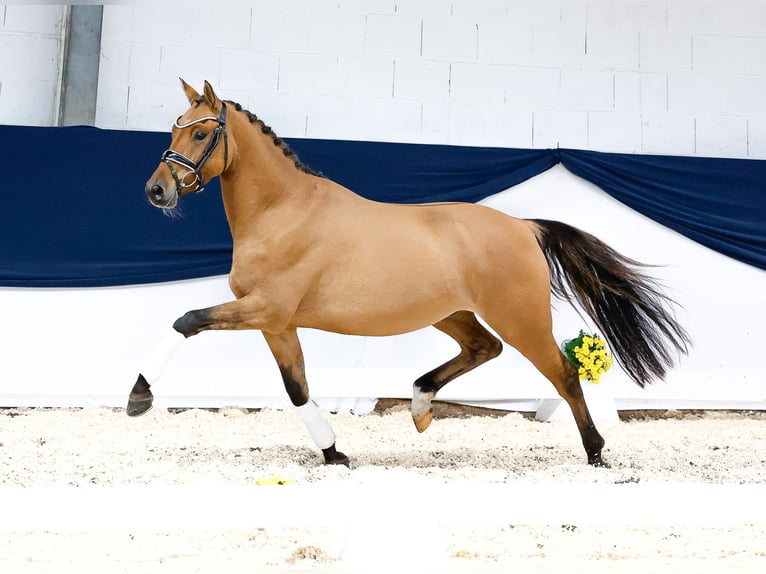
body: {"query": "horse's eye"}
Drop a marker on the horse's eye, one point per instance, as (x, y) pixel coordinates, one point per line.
(199, 135)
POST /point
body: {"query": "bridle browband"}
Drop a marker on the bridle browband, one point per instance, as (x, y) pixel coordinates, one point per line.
(171, 157)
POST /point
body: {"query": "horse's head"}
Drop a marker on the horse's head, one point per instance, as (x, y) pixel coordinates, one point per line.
(199, 150)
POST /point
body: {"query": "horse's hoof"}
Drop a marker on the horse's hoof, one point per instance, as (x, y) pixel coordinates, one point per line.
(139, 405)
(332, 456)
(598, 462)
(423, 421)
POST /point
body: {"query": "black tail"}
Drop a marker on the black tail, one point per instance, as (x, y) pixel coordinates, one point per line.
(629, 308)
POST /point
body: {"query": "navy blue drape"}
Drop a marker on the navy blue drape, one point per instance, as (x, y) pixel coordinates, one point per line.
(74, 213)
(720, 203)
(417, 173)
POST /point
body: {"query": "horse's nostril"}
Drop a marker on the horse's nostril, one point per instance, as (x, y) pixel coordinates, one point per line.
(157, 191)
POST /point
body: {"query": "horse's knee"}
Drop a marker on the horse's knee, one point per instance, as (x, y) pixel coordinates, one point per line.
(192, 322)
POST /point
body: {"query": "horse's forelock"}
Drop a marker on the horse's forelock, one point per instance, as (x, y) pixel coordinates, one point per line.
(184, 118)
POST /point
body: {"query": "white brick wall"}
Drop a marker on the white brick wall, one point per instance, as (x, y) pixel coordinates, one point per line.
(721, 136)
(665, 133)
(556, 128)
(649, 76)
(663, 52)
(729, 55)
(416, 79)
(452, 39)
(393, 35)
(615, 49)
(722, 18)
(30, 63)
(756, 137)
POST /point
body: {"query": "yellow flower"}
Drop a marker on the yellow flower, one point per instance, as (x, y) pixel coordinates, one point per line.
(590, 355)
(272, 481)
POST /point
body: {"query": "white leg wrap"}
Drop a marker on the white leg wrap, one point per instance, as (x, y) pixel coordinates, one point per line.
(319, 429)
(155, 363)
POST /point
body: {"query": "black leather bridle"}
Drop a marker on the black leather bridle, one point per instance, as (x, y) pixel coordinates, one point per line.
(171, 157)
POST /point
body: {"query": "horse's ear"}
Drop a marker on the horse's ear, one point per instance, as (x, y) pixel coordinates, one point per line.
(210, 98)
(191, 94)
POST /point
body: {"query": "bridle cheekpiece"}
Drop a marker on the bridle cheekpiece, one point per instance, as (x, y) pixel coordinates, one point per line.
(171, 157)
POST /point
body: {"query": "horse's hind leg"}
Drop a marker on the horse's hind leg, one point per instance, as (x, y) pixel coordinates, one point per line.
(544, 353)
(286, 349)
(477, 346)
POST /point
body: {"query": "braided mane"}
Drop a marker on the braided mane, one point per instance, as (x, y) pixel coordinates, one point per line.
(279, 142)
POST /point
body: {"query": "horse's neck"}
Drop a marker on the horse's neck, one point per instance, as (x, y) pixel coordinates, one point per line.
(262, 188)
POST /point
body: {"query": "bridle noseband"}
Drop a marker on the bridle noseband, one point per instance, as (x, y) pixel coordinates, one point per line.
(171, 157)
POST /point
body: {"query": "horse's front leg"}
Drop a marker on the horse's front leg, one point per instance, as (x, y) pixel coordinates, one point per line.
(287, 351)
(141, 398)
(249, 312)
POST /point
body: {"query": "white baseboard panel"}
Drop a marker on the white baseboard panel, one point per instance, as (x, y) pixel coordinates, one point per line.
(517, 390)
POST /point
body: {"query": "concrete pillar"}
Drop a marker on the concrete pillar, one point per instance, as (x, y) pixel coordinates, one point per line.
(82, 52)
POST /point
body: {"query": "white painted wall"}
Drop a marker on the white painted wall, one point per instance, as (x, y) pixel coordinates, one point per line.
(31, 44)
(682, 77)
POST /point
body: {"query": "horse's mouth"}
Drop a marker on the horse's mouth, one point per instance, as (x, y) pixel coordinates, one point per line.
(165, 203)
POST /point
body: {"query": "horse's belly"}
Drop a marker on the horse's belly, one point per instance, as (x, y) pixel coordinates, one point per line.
(379, 312)
(372, 325)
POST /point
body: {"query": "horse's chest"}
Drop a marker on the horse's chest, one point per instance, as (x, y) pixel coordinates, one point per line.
(247, 273)
(269, 274)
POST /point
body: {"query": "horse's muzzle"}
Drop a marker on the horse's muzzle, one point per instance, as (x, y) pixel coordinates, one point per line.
(159, 196)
